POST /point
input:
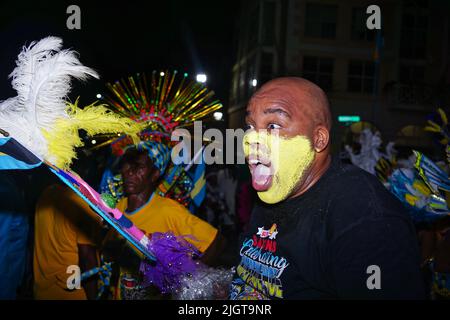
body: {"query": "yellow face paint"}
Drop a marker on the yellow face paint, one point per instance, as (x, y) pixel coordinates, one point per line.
(289, 159)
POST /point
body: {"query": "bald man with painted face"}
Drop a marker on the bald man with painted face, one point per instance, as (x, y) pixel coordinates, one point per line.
(322, 230)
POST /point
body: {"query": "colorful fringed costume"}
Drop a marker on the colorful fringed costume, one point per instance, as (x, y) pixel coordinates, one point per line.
(161, 103)
(39, 126)
(370, 158)
(424, 190)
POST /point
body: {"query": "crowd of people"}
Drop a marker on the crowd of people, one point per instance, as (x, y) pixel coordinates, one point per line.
(296, 222)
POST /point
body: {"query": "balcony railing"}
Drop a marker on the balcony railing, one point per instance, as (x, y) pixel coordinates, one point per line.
(415, 96)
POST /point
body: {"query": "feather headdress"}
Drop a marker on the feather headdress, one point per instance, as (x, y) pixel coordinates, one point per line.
(40, 117)
(161, 102)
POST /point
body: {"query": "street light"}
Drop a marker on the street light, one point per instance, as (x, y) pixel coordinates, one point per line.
(254, 82)
(218, 115)
(201, 77)
(99, 96)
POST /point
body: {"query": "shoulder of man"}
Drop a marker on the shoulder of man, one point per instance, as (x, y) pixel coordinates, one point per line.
(170, 205)
(357, 196)
(49, 195)
(359, 189)
(185, 222)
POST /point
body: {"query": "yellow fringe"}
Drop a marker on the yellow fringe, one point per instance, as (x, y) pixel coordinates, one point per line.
(443, 116)
(94, 119)
(432, 126)
(422, 188)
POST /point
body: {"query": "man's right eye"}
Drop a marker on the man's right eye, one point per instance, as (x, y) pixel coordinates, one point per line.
(248, 127)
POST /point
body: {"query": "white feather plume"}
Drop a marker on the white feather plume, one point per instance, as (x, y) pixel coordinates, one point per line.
(370, 152)
(42, 80)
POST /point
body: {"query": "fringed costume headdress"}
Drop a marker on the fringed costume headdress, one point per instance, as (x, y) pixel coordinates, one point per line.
(160, 103)
(40, 126)
(425, 188)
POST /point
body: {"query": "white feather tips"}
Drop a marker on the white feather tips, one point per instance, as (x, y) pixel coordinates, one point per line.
(42, 80)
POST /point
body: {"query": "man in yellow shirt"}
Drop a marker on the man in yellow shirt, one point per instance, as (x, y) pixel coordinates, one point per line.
(141, 168)
(64, 227)
(161, 214)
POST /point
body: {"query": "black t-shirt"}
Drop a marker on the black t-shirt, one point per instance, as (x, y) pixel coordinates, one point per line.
(346, 237)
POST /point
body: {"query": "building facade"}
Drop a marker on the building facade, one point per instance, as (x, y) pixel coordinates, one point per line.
(391, 78)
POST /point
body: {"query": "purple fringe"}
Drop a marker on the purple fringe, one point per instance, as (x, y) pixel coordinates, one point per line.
(174, 260)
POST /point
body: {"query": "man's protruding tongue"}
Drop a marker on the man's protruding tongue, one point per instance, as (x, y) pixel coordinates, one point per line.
(260, 166)
(261, 177)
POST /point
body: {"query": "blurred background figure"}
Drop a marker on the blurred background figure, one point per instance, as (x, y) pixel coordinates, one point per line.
(435, 247)
(64, 236)
(14, 227)
(245, 197)
(219, 205)
(66, 232)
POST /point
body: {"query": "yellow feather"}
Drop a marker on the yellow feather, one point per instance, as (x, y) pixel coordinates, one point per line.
(411, 199)
(433, 127)
(421, 187)
(443, 116)
(94, 119)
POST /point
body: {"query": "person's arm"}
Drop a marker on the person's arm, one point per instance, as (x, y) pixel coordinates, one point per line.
(87, 261)
(377, 258)
(211, 255)
(116, 249)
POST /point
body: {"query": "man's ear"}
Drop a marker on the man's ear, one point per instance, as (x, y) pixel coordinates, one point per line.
(155, 175)
(321, 138)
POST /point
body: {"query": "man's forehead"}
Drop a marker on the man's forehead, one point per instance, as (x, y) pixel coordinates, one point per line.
(272, 92)
(136, 157)
(274, 102)
(143, 158)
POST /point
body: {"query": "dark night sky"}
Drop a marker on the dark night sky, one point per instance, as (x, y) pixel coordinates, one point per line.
(120, 38)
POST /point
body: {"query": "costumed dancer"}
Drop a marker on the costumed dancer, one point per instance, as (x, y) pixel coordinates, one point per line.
(436, 242)
(155, 194)
(370, 158)
(424, 190)
(437, 239)
(40, 126)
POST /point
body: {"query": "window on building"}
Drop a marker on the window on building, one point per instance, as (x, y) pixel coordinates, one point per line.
(361, 76)
(359, 30)
(321, 20)
(413, 44)
(319, 70)
(412, 74)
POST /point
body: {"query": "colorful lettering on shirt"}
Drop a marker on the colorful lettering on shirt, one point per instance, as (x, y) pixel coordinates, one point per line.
(260, 268)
